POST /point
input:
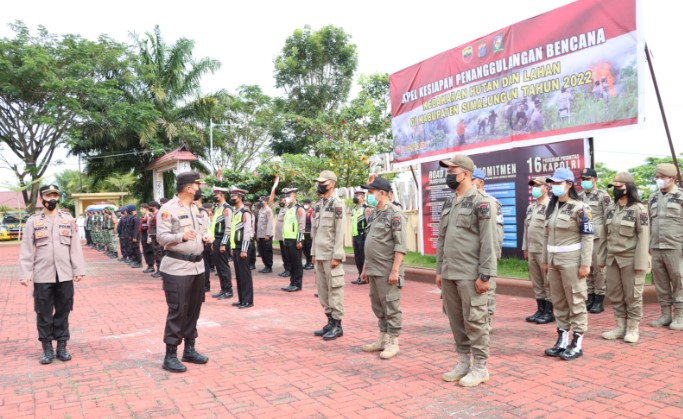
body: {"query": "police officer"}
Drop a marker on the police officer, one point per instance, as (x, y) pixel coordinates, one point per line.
(567, 260)
(252, 246)
(599, 201)
(533, 243)
(358, 223)
(182, 230)
(147, 249)
(307, 234)
(466, 260)
(134, 236)
(264, 235)
(627, 257)
(293, 227)
(222, 214)
(121, 232)
(666, 244)
(327, 233)
(279, 222)
(51, 257)
(156, 247)
(385, 247)
(240, 241)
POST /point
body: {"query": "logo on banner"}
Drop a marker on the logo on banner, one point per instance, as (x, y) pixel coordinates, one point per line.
(467, 54)
(481, 49)
(498, 45)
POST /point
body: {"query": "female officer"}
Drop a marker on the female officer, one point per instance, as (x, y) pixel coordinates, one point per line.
(627, 258)
(567, 260)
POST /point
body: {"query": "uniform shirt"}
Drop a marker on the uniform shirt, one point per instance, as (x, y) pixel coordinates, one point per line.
(468, 241)
(599, 201)
(568, 225)
(50, 247)
(173, 219)
(533, 240)
(385, 234)
(265, 223)
(241, 230)
(294, 223)
(278, 224)
(152, 224)
(666, 219)
(327, 230)
(628, 237)
(133, 227)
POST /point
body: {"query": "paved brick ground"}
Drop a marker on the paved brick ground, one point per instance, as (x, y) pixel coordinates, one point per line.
(265, 361)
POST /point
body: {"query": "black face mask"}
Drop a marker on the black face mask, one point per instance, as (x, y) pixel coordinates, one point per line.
(233, 201)
(197, 194)
(282, 204)
(356, 200)
(452, 182)
(618, 193)
(216, 199)
(51, 204)
(322, 189)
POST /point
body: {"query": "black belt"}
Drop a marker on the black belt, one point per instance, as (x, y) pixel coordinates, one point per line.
(183, 256)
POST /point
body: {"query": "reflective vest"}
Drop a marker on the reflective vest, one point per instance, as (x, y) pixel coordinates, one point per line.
(218, 226)
(290, 226)
(358, 222)
(237, 230)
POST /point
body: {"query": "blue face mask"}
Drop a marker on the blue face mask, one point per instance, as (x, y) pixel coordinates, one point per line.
(587, 185)
(558, 190)
(372, 201)
(536, 192)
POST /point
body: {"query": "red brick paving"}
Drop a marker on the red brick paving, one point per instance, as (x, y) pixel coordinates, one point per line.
(265, 361)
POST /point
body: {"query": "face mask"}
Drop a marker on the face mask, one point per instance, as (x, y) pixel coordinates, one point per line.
(288, 200)
(233, 201)
(197, 194)
(216, 199)
(51, 204)
(259, 205)
(536, 192)
(452, 181)
(281, 204)
(322, 189)
(618, 193)
(372, 201)
(307, 207)
(587, 185)
(356, 200)
(558, 190)
(662, 183)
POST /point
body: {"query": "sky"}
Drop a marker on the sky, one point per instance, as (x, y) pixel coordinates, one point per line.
(245, 36)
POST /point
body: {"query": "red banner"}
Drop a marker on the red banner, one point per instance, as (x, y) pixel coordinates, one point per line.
(569, 71)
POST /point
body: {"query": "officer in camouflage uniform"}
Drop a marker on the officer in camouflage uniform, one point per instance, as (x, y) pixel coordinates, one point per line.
(113, 238)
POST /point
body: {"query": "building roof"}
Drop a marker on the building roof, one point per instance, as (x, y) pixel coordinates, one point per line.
(12, 199)
(180, 153)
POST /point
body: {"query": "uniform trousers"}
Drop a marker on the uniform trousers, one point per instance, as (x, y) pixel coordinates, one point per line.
(330, 284)
(386, 304)
(596, 280)
(52, 303)
(158, 251)
(184, 298)
(296, 269)
(123, 245)
(468, 316)
(208, 255)
(252, 254)
(245, 284)
(220, 260)
(539, 280)
(285, 260)
(147, 250)
(568, 292)
(625, 291)
(265, 249)
(359, 251)
(308, 243)
(135, 250)
(667, 275)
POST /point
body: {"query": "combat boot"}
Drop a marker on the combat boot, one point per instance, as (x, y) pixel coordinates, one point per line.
(574, 349)
(171, 362)
(461, 368)
(547, 316)
(589, 301)
(335, 331)
(632, 333)
(325, 328)
(391, 348)
(377, 345)
(48, 353)
(478, 374)
(540, 308)
(597, 305)
(62, 353)
(664, 319)
(677, 323)
(191, 355)
(618, 332)
(560, 345)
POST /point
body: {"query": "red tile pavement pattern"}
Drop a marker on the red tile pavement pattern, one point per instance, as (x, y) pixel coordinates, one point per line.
(265, 361)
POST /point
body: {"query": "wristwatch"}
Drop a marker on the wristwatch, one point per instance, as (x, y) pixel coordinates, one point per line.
(484, 278)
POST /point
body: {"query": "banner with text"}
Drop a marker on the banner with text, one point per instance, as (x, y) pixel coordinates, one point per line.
(564, 73)
(507, 179)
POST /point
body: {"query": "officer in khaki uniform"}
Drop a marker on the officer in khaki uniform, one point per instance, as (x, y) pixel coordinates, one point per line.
(466, 260)
(51, 257)
(183, 230)
(627, 258)
(598, 200)
(567, 260)
(327, 233)
(666, 245)
(533, 243)
(385, 247)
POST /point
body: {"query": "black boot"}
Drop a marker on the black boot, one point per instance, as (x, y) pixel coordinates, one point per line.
(589, 301)
(48, 353)
(62, 353)
(171, 362)
(560, 345)
(597, 305)
(191, 355)
(540, 303)
(547, 316)
(325, 328)
(574, 350)
(335, 331)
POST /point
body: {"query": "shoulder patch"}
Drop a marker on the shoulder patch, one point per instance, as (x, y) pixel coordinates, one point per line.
(585, 217)
(165, 215)
(338, 212)
(396, 223)
(606, 199)
(644, 219)
(484, 210)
